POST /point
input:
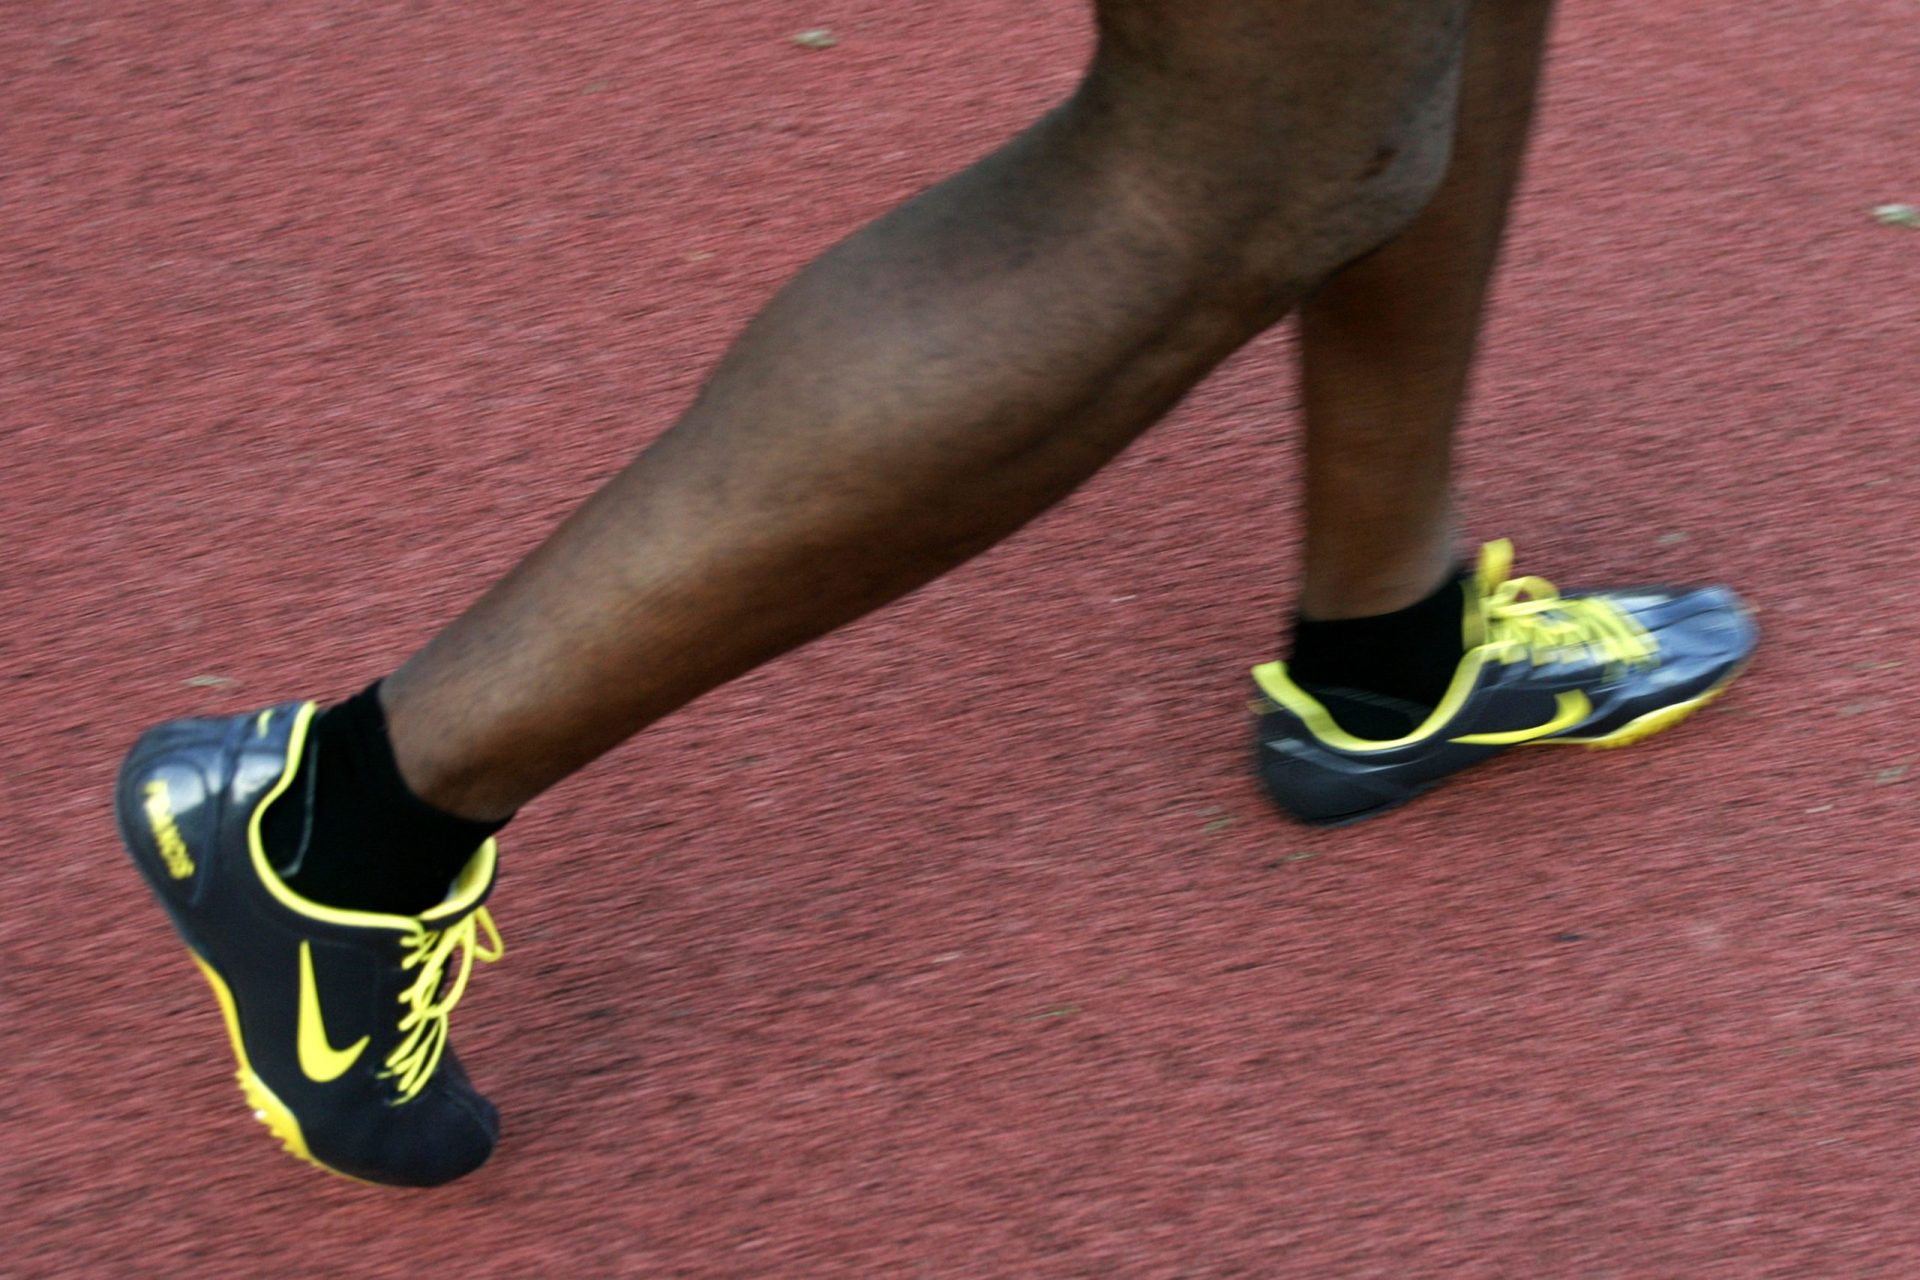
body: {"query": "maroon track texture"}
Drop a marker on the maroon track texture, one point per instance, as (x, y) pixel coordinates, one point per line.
(962, 943)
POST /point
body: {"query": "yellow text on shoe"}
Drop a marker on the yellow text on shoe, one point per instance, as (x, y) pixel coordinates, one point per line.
(166, 834)
(1572, 709)
(318, 1059)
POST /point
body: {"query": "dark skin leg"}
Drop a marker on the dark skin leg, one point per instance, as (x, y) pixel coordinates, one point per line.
(1387, 344)
(950, 372)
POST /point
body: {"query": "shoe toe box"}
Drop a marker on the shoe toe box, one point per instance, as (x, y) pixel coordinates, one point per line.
(445, 1132)
(1708, 624)
(1703, 634)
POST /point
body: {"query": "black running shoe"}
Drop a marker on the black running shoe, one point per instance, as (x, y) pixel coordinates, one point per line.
(338, 1018)
(1597, 669)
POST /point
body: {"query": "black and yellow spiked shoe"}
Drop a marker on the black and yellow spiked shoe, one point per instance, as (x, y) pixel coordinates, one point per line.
(339, 1019)
(1596, 669)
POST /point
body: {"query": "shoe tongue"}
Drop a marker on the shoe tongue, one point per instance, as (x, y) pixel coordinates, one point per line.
(1496, 563)
(1473, 614)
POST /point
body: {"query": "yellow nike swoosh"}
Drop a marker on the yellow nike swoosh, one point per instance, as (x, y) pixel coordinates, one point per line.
(1573, 708)
(319, 1060)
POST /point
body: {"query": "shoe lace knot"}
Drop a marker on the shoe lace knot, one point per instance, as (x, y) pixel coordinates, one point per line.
(1528, 619)
(429, 1001)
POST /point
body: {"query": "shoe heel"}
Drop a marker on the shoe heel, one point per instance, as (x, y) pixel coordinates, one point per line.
(166, 806)
(1320, 794)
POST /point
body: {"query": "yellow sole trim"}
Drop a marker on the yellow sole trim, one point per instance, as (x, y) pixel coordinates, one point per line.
(1644, 727)
(267, 1108)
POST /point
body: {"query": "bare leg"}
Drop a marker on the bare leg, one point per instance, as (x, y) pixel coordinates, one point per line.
(950, 372)
(1387, 344)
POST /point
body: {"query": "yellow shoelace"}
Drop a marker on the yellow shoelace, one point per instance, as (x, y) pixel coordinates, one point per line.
(1527, 618)
(424, 1026)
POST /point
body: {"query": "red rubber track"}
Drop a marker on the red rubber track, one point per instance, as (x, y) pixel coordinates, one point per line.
(962, 944)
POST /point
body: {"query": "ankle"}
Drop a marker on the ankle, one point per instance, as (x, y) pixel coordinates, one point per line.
(358, 835)
(454, 784)
(1409, 654)
(1374, 587)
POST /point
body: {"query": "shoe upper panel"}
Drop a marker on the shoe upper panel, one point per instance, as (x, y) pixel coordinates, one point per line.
(1700, 636)
(1712, 623)
(283, 970)
(168, 809)
(1319, 783)
(1568, 669)
(262, 743)
(184, 795)
(1710, 611)
(1281, 730)
(1521, 701)
(444, 1134)
(1645, 601)
(1502, 698)
(174, 802)
(336, 1070)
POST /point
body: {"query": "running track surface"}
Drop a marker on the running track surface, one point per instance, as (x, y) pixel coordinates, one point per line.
(962, 944)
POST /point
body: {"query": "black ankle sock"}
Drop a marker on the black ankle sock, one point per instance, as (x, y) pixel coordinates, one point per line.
(365, 842)
(1380, 676)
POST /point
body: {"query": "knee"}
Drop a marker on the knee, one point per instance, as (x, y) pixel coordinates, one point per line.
(1356, 198)
(1272, 220)
(1286, 163)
